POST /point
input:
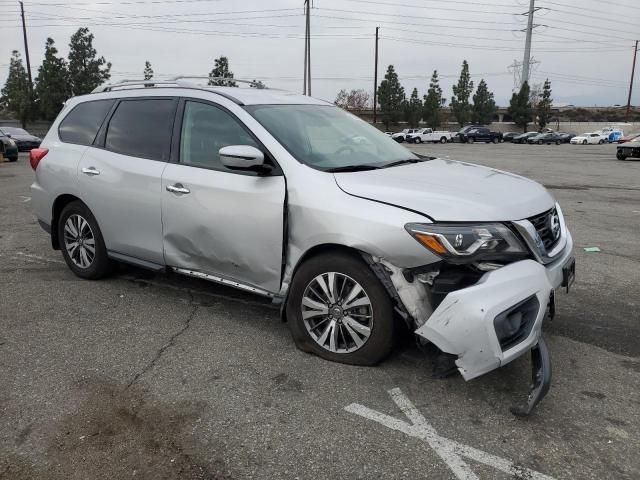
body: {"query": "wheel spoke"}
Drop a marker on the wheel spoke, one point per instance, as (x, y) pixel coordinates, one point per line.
(354, 336)
(84, 260)
(355, 291)
(90, 248)
(321, 307)
(323, 338)
(326, 289)
(70, 227)
(357, 326)
(333, 340)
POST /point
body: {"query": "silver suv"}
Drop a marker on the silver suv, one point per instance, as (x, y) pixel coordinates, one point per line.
(292, 198)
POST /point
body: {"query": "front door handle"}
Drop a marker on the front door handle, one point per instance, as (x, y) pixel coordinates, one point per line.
(177, 188)
(91, 171)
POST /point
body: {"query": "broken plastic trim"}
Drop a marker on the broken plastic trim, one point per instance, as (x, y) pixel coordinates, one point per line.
(541, 379)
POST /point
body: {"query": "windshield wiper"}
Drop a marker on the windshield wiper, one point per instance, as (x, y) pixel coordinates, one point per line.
(352, 168)
(403, 162)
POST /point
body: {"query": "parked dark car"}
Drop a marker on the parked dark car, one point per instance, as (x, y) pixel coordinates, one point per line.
(479, 134)
(545, 138)
(523, 137)
(509, 136)
(565, 137)
(8, 148)
(629, 149)
(23, 139)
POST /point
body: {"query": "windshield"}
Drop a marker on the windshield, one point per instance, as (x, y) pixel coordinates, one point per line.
(327, 137)
(14, 131)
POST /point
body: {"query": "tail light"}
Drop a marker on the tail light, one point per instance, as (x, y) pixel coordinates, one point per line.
(36, 155)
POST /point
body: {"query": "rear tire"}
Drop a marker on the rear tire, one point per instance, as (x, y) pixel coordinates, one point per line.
(495, 140)
(470, 140)
(82, 243)
(443, 139)
(372, 338)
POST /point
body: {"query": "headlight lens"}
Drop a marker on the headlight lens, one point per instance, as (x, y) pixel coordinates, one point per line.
(462, 243)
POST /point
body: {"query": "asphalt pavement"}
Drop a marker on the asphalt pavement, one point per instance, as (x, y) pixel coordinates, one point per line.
(158, 376)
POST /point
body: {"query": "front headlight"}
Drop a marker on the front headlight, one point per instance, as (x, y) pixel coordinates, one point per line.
(464, 243)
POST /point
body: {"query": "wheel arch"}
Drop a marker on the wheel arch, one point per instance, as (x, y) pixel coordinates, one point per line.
(58, 205)
(313, 252)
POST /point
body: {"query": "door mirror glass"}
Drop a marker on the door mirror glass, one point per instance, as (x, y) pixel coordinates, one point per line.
(242, 157)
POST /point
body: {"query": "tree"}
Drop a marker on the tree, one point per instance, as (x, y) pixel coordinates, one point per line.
(543, 109)
(52, 83)
(16, 93)
(221, 69)
(353, 100)
(413, 109)
(432, 107)
(520, 107)
(148, 71)
(390, 97)
(86, 70)
(460, 105)
(484, 106)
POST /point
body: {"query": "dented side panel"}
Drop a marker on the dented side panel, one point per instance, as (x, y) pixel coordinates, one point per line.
(229, 224)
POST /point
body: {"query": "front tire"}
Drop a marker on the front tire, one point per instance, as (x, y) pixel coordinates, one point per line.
(338, 309)
(417, 140)
(584, 142)
(621, 156)
(82, 243)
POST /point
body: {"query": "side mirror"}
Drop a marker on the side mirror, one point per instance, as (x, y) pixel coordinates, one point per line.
(243, 157)
(8, 135)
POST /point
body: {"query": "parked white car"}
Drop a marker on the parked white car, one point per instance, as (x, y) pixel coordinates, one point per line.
(402, 136)
(589, 139)
(429, 135)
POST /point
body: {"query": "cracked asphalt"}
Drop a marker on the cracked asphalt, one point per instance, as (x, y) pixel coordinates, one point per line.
(157, 376)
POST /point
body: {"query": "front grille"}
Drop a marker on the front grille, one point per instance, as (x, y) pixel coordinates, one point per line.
(547, 225)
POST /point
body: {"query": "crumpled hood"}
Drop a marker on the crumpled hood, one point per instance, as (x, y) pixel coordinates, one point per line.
(448, 190)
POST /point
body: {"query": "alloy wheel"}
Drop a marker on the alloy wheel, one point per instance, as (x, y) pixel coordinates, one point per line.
(337, 312)
(79, 241)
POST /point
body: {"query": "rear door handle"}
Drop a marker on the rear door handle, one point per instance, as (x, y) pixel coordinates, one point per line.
(91, 171)
(178, 188)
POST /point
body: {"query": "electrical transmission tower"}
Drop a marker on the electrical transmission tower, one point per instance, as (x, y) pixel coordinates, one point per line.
(522, 70)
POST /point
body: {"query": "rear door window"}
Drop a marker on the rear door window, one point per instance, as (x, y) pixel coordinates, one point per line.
(142, 128)
(81, 125)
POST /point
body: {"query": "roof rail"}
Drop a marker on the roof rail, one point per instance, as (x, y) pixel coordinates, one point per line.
(182, 78)
(180, 81)
(108, 87)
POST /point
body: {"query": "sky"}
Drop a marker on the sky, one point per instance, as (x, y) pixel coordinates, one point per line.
(585, 47)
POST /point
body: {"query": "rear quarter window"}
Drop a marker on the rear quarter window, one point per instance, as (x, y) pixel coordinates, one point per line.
(142, 128)
(82, 123)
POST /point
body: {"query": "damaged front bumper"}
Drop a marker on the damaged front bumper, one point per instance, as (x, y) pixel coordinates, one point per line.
(511, 302)
(494, 321)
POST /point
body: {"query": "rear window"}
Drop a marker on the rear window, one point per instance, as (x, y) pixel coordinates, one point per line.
(81, 125)
(142, 128)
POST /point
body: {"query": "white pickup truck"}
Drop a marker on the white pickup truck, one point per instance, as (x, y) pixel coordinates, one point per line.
(402, 136)
(429, 135)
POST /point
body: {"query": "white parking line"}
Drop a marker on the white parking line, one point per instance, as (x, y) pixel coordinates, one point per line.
(38, 257)
(450, 451)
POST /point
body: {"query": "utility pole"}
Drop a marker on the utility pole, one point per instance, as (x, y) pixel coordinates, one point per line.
(527, 44)
(306, 45)
(306, 87)
(633, 71)
(26, 46)
(375, 81)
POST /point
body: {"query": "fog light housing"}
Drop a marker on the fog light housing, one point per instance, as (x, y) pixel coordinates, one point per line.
(515, 324)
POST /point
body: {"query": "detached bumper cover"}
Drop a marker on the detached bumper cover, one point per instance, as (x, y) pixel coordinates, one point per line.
(463, 324)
